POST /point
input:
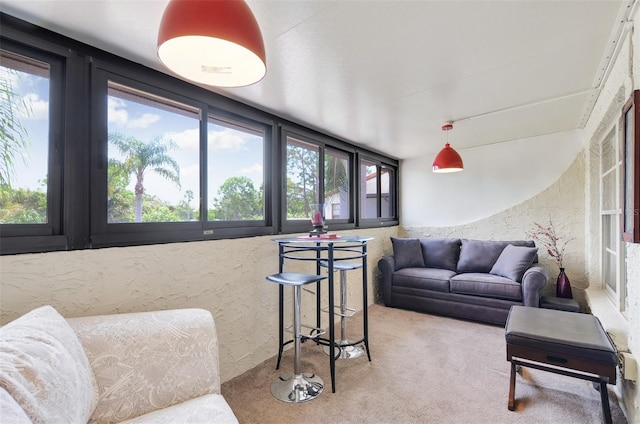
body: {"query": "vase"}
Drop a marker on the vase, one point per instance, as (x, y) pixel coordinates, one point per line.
(563, 287)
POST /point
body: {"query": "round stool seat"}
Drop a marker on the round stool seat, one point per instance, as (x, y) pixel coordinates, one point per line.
(295, 278)
(341, 265)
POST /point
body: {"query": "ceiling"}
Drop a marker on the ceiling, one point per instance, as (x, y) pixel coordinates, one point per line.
(386, 74)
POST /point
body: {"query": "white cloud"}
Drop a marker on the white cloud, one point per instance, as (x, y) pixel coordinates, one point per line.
(37, 108)
(187, 139)
(226, 140)
(119, 116)
(144, 121)
(190, 171)
(256, 168)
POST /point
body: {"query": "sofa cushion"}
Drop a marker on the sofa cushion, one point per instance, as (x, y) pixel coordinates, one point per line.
(423, 278)
(481, 255)
(486, 285)
(441, 253)
(407, 253)
(45, 369)
(514, 261)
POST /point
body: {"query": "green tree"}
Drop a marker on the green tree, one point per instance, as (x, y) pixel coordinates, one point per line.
(142, 157)
(22, 206)
(302, 181)
(336, 179)
(238, 200)
(14, 141)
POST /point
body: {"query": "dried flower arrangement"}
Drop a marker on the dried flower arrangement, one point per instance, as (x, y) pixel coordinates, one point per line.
(548, 238)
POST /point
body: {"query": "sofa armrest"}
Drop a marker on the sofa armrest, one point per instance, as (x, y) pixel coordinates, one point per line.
(146, 361)
(386, 265)
(533, 280)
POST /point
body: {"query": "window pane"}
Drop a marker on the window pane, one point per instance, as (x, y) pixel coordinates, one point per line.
(24, 128)
(609, 260)
(235, 171)
(303, 178)
(387, 183)
(369, 190)
(609, 158)
(609, 191)
(336, 185)
(154, 162)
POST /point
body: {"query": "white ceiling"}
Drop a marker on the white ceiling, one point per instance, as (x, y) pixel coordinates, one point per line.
(386, 74)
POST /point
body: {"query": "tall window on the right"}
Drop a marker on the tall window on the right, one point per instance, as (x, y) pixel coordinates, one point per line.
(611, 246)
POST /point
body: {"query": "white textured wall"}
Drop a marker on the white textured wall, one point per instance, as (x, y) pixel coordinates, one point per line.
(563, 202)
(226, 277)
(496, 177)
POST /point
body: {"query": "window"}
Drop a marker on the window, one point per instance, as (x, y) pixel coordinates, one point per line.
(611, 246)
(30, 124)
(317, 172)
(235, 171)
(377, 191)
(105, 152)
(303, 178)
(153, 170)
(337, 185)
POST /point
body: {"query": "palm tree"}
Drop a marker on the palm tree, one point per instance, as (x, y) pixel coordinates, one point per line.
(141, 157)
(14, 140)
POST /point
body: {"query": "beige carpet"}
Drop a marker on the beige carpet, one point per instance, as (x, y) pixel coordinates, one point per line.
(424, 369)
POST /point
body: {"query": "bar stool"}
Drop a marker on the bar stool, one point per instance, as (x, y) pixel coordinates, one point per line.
(347, 348)
(297, 387)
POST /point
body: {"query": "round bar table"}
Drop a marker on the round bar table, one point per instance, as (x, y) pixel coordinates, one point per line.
(327, 249)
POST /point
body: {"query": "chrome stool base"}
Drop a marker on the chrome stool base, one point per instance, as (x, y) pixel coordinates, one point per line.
(346, 352)
(297, 388)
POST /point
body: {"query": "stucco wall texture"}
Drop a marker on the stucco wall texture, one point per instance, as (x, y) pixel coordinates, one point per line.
(226, 277)
(562, 203)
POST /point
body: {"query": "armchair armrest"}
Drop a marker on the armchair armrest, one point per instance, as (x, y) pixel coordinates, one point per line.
(149, 360)
(533, 280)
(386, 265)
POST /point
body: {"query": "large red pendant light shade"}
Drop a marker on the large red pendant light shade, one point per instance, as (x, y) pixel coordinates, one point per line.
(448, 160)
(212, 42)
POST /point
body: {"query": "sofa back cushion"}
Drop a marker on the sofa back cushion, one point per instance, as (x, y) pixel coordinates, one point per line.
(407, 253)
(441, 253)
(44, 368)
(481, 255)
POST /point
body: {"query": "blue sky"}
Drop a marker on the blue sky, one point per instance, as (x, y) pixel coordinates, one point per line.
(231, 152)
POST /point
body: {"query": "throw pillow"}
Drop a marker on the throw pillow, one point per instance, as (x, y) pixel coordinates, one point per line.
(441, 253)
(514, 261)
(45, 369)
(407, 253)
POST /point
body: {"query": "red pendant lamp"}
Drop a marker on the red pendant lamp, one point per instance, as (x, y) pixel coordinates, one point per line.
(448, 160)
(212, 42)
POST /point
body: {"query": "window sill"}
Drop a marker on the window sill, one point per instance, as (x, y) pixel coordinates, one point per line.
(612, 320)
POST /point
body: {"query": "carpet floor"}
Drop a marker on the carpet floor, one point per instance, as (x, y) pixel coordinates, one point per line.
(424, 369)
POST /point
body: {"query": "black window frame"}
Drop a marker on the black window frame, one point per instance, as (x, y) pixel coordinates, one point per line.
(381, 164)
(79, 148)
(323, 143)
(16, 238)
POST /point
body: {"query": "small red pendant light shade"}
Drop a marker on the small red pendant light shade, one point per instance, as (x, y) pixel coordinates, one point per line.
(448, 160)
(212, 42)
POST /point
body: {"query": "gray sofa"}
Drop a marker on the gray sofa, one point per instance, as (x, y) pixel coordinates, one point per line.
(477, 280)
